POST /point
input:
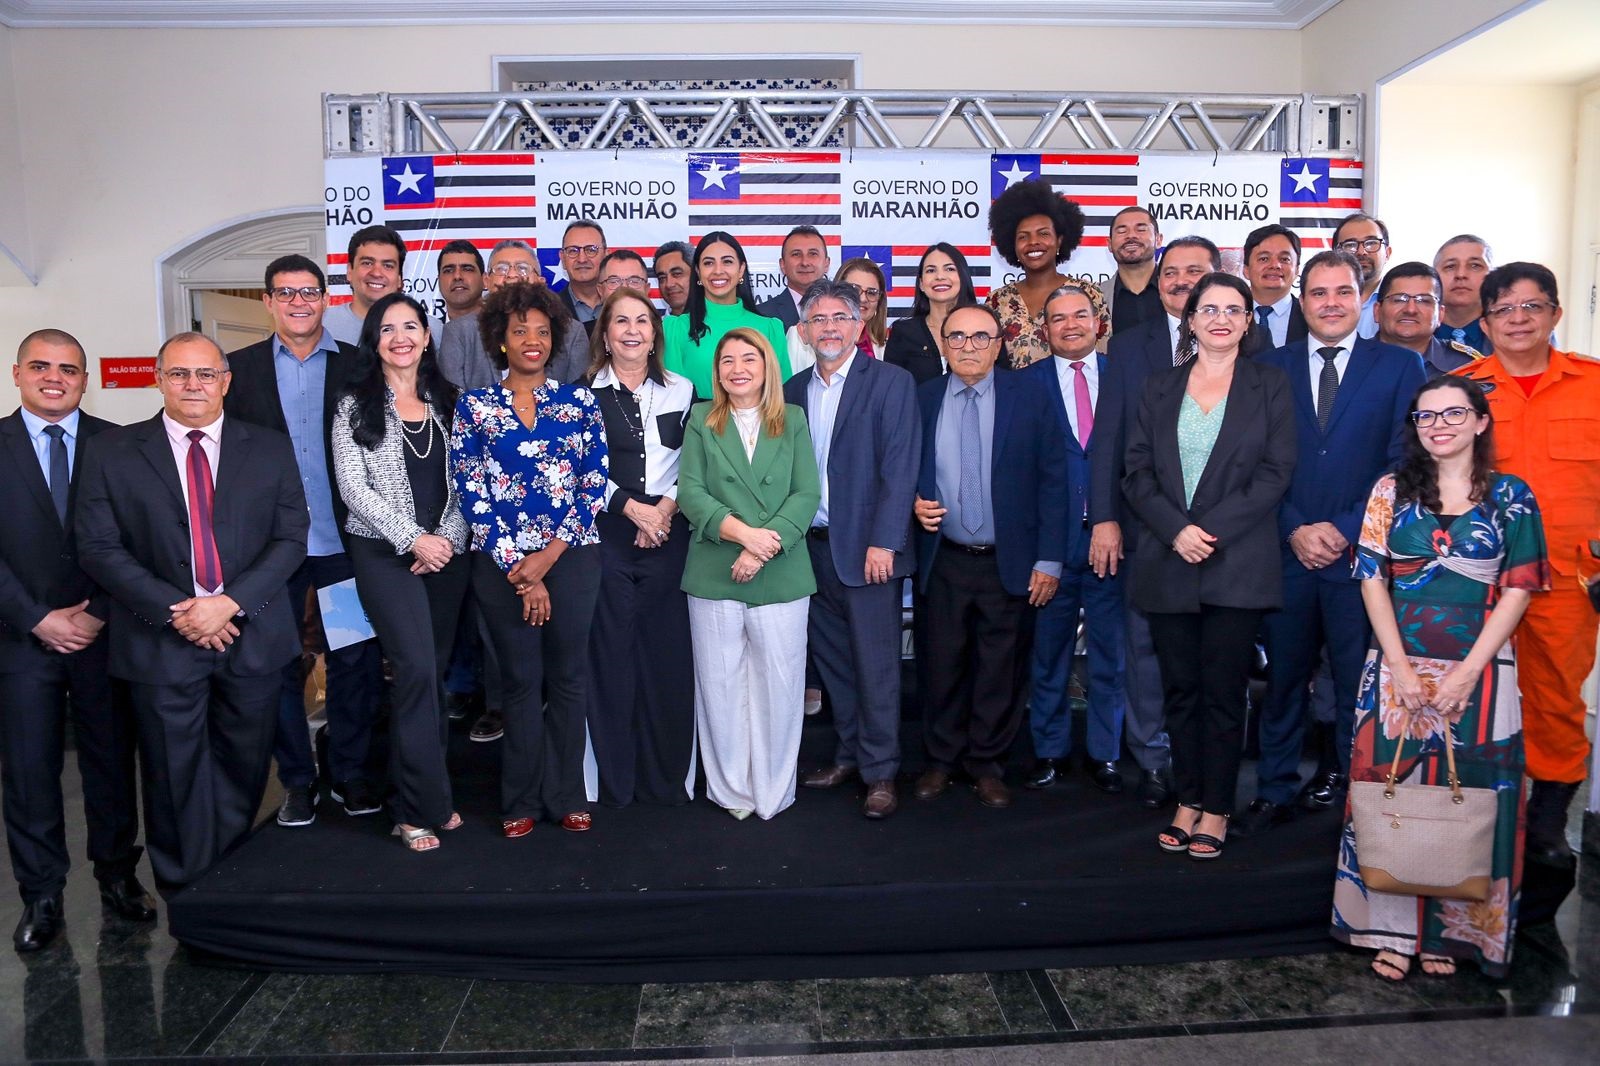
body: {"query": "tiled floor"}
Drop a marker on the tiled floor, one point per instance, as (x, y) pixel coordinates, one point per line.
(107, 990)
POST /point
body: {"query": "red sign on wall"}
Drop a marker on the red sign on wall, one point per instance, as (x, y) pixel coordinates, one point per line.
(128, 372)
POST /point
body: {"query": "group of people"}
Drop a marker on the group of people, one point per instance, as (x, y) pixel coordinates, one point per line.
(674, 535)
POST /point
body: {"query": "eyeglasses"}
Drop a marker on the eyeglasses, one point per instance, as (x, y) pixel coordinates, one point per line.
(979, 341)
(869, 293)
(505, 270)
(1405, 299)
(205, 375)
(285, 295)
(1213, 311)
(572, 251)
(1370, 244)
(818, 321)
(1453, 416)
(1527, 307)
(612, 283)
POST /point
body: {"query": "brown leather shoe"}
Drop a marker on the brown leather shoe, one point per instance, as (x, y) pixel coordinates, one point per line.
(881, 800)
(992, 792)
(832, 777)
(932, 784)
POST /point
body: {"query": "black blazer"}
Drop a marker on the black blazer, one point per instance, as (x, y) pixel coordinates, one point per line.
(911, 346)
(39, 569)
(781, 307)
(132, 525)
(253, 397)
(1236, 500)
(1260, 340)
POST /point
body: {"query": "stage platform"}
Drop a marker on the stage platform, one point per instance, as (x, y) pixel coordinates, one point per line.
(1066, 877)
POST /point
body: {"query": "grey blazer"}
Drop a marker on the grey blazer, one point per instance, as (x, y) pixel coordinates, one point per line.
(376, 488)
(466, 365)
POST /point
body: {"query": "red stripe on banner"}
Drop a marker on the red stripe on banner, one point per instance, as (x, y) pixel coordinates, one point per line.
(768, 198)
(483, 160)
(1316, 242)
(1095, 242)
(433, 244)
(469, 201)
(338, 258)
(918, 249)
(1091, 160)
(1347, 205)
(1345, 164)
(1105, 201)
(767, 239)
(335, 301)
(787, 157)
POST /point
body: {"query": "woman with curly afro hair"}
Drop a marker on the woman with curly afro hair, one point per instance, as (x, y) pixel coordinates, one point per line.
(1035, 229)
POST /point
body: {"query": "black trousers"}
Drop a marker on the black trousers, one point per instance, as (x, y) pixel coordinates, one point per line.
(641, 693)
(1205, 668)
(205, 748)
(853, 638)
(414, 616)
(34, 706)
(978, 637)
(541, 755)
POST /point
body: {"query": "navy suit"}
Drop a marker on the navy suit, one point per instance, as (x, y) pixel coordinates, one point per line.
(1260, 340)
(978, 626)
(1334, 472)
(1132, 358)
(1100, 599)
(782, 307)
(854, 627)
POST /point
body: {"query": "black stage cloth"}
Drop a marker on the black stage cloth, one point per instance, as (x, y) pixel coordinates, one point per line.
(1066, 877)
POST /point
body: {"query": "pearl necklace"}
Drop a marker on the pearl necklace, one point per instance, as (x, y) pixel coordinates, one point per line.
(427, 428)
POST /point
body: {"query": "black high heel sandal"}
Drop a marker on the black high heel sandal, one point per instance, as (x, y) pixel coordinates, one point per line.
(1181, 837)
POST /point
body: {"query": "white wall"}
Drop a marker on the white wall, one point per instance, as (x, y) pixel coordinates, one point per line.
(14, 235)
(1517, 192)
(139, 139)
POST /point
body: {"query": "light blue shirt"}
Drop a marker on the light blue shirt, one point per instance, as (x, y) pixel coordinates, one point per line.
(302, 389)
(41, 441)
(947, 466)
(1278, 320)
(822, 405)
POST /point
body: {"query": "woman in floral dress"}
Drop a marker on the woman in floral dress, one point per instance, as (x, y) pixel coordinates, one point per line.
(1035, 229)
(1450, 553)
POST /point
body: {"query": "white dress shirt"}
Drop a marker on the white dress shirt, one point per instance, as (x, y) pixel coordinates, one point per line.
(1342, 362)
(1069, 387)
(1172, 335)
(822, 406)
(211, 444)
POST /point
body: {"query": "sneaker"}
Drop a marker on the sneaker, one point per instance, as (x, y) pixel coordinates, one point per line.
(299, 806)
(488, 727)
(357, 797)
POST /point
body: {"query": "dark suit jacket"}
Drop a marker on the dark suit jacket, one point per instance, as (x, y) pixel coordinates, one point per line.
(1337, 466)
(872, 465)
(1027, 478)
(1261, 339)
(1086, 501)
(782, 308)
(911, 346)
(1132, 357)
(1235, 500)
(133, 538)
(253, 397)
(38, 558)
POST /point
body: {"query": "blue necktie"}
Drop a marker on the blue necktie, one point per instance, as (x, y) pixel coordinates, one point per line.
(59, 478)
(1263, 313)
(971, 498)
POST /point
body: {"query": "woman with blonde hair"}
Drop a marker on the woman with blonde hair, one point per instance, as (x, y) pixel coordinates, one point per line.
(748, 485)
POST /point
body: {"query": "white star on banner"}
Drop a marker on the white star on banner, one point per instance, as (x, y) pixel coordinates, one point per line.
(714, 174)
(557, 272)
(1015, 174)
(409, 180)
(1306, 179)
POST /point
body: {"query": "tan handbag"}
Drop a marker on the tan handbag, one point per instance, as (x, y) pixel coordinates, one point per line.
(1424, 840)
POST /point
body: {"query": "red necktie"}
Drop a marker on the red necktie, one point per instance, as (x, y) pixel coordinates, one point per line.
(207, 564)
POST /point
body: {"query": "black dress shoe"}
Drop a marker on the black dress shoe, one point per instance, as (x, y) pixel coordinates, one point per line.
(1045, 773)
(1107, 778)
(127, 897)
(41, 921)
(1154, 789)
(1324, 790)
(1259, 817)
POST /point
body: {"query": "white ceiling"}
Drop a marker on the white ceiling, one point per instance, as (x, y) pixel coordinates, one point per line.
(1265, 14)
(1556, 42)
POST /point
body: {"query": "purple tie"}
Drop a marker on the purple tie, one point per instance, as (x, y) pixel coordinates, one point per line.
(207, 563)
(1080, 392)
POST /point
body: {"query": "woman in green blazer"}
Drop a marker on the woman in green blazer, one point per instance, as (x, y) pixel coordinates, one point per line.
(748, 485)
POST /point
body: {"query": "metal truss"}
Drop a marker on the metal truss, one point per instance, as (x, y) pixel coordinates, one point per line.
(392, 123)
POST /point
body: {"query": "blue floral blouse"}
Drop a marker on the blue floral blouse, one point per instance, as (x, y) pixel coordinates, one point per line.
(522, 488)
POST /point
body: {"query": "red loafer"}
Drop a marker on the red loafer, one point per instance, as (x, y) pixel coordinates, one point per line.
(577, 822)
(517, 827)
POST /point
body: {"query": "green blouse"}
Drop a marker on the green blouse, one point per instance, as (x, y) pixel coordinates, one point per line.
(692, 359)
(1197, 435)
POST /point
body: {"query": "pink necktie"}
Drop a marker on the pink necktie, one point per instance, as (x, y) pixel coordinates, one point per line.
(1080, 392)
(207, 563)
